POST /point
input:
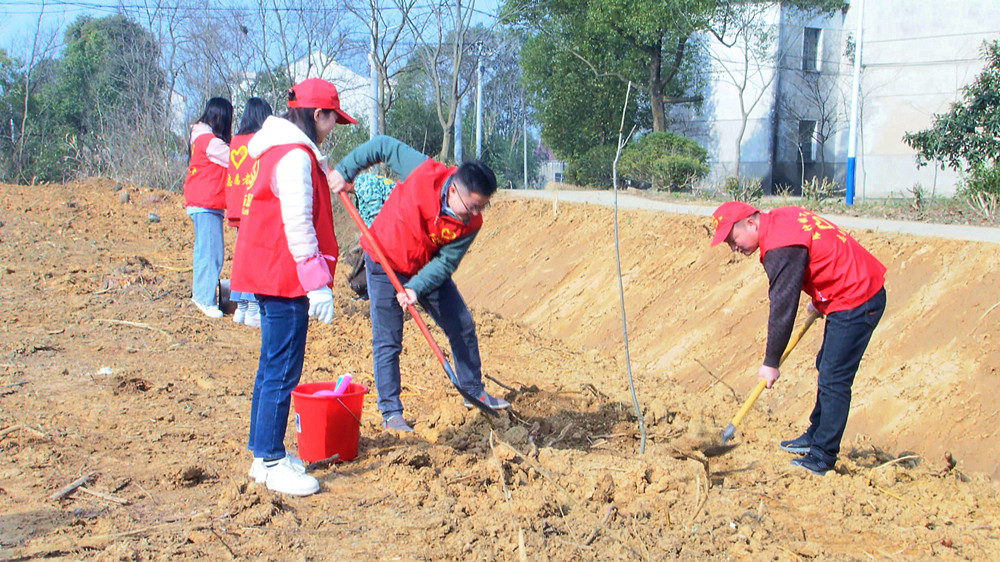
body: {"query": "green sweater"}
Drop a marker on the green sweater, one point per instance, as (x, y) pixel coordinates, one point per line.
(402, 160)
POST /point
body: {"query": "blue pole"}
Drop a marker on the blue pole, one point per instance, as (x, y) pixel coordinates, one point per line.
(852, 141)
(849, 195)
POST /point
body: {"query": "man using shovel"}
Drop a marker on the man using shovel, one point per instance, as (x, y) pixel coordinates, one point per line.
(425, 226)
(802, 252)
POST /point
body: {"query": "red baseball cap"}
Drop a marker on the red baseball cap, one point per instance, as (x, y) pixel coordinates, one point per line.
(728, 214)
(316, 93)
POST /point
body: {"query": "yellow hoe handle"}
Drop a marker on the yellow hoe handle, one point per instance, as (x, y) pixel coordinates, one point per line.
(761, 385)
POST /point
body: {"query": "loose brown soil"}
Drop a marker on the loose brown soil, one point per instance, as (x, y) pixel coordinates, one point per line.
(106, 368)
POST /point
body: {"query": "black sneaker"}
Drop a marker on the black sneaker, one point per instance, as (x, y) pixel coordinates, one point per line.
(800, 445)
(813, 464)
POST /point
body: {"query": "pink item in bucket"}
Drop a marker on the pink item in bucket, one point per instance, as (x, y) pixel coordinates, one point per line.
(342, 383)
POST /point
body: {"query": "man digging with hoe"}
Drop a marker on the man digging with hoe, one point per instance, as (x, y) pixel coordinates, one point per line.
(801, 251)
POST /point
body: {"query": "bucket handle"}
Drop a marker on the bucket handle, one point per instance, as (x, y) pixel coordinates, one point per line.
(349, 412)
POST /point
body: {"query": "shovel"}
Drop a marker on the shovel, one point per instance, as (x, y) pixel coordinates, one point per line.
(380, 256)
(727, 433)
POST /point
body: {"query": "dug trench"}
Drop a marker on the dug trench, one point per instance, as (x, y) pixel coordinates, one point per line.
(107, 370)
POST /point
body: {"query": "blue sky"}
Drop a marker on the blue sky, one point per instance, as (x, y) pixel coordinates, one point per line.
(19, 18)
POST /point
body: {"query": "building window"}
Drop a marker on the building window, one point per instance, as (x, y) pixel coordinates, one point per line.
(807, 133)
(810, 49)
(558, 177)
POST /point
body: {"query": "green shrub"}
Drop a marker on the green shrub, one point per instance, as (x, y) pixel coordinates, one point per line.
(981, 189)
(593, 168)
(664, 160)
(818, 189)
(674, 171)
(748, 190)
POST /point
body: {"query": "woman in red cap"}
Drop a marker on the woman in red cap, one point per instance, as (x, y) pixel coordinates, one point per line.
(285, 254)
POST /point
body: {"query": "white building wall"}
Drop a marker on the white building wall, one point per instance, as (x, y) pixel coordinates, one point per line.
(916, 58)
(716, 125)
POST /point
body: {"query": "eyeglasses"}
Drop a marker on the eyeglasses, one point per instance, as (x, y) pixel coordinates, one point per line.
(471, 209)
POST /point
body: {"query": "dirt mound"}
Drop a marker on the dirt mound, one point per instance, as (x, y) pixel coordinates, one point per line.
(697, 318)
(107, 370)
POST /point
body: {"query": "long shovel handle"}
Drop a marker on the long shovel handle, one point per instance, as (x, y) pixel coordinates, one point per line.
(761, 385)
(380, 256)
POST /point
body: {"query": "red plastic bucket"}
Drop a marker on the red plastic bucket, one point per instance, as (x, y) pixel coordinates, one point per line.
(328, 425)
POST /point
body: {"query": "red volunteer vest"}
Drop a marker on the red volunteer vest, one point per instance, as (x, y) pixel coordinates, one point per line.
(841, 274)
(410, 227)
(205, 181)
(262, 263)
(238, 180)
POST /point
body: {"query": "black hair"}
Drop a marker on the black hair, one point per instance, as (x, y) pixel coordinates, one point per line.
(477, 177)
(219, 116)
(254, 114)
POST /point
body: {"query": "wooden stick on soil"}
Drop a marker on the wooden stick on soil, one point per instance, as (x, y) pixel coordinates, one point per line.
(108, 497)
(572, 499)
(72, 487)
(989, 310)
(232, 555)
(562, 434)
(593, 534)
(894, 461)
(10, 429)
(128, 323)
(711, 374)
(698, 501)
(510, 512)
(93, 542)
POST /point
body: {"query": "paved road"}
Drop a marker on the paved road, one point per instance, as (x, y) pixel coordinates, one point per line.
(949, 231)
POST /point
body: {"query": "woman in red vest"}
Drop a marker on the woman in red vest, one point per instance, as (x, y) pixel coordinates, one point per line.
(238, 184)
(285, 254)
(802, 252)
(425, 226)
(205, 200)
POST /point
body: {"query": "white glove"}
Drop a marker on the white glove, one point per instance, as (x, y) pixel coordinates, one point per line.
(321, 304)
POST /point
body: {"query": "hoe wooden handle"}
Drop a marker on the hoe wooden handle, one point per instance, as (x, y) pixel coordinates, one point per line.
(761, 385)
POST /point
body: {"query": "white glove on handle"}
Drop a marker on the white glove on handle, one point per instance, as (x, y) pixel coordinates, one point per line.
(321, 304)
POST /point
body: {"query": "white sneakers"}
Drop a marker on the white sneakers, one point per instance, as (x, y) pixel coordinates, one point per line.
(210, 310)
(288, 476)
(241, 312)
(252, 317)
(247, 313)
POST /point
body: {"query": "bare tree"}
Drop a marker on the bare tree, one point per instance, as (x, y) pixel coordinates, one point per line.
(752, 40)
(43, 45)
(443, 54)
(819, 98)
(391, 27)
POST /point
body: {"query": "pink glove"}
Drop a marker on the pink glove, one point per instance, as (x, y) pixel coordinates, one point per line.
(314, 271)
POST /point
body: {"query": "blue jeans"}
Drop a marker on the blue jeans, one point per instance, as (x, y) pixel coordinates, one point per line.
(236, 296)
(283, 324)
(446, 307)
(208, 254)
(845, 339)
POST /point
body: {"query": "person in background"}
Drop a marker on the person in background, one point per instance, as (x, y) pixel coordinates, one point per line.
(802, 252)
(205, 200)
(285, 254)
(239, 180)
(425, 226)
